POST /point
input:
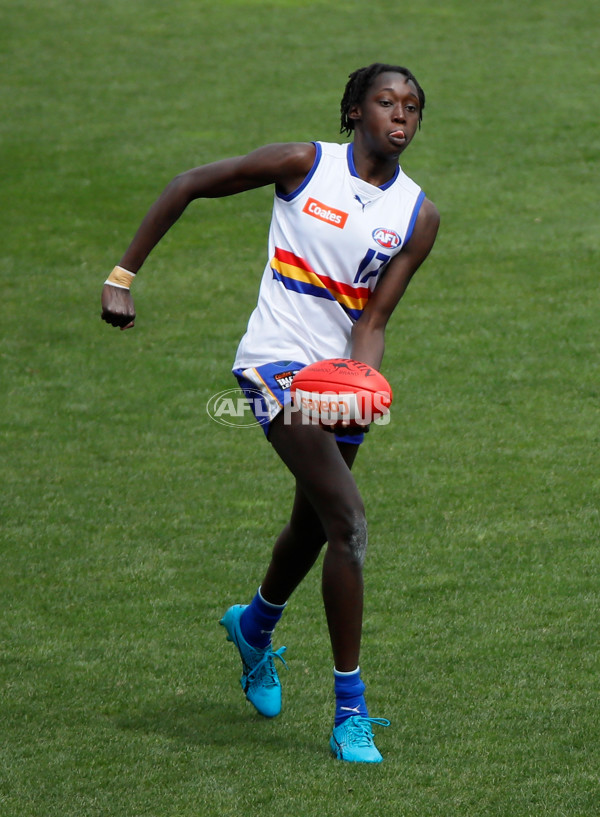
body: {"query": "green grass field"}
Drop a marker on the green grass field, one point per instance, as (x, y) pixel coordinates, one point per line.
(130, 520)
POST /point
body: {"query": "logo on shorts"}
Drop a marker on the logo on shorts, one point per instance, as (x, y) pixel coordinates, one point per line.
(284, 379)
(388, 239)
(316, 209)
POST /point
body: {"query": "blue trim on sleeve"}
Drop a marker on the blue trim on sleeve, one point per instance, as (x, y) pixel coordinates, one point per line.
(413, 218)
(310, 174)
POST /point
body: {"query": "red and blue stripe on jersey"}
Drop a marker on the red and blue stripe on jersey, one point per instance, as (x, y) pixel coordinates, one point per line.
(297, 275)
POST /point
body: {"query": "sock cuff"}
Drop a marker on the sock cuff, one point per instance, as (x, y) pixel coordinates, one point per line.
(276, 607)
(348, 683)
(339, 674)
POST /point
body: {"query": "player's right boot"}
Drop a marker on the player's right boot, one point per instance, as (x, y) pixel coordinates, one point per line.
(259, 677)
(353, 742)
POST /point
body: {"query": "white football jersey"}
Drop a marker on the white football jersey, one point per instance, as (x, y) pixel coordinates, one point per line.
(329, 241)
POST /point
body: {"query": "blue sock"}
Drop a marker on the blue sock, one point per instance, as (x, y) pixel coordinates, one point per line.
(258, 621)
(349, 695)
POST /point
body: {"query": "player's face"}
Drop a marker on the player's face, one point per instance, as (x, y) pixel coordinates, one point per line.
(388, 117)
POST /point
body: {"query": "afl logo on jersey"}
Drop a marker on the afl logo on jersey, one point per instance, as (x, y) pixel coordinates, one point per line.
(388, 239)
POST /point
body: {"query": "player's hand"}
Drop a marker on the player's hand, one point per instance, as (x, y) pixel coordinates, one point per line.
(117, 307)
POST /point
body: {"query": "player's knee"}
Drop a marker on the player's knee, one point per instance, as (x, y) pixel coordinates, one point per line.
(359, 539)
(351, 537)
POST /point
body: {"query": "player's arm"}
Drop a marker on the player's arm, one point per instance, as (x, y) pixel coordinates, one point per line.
(285, 165)
(368, 333)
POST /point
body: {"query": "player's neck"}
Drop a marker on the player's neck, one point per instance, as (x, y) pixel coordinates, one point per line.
(371, 168)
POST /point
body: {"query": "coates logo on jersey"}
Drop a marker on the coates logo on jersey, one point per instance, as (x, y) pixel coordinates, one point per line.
(316, 209)
(388, 239)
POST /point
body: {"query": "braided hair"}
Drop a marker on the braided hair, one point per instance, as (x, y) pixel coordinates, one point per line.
(359, 83)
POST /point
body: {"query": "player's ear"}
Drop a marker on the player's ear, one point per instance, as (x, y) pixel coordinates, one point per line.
(354, 113)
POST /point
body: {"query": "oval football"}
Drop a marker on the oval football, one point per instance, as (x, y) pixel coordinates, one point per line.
(341, 390)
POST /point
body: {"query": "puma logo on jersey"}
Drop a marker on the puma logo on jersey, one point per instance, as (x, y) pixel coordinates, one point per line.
(317, 209)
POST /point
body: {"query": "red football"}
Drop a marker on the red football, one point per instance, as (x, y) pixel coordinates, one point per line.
(341, 390)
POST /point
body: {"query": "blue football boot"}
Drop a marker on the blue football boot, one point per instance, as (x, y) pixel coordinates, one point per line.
(259, 677)
(352, 740)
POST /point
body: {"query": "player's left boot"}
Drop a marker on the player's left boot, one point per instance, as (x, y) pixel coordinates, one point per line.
(259, 677)
(353, 742)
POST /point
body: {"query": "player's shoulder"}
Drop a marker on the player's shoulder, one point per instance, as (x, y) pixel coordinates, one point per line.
(334, 148)
(284, 163)
(294, 153)
(406, 185)
(332, 151)
(429, 212)
(426, 226)
(299, 161)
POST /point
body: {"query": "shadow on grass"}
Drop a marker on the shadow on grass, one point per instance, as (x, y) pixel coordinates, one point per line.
(205, 722)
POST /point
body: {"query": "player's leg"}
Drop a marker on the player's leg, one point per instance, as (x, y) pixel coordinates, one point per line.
(322, 471)
(324, 478)
(251, 627)
(299, 543)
